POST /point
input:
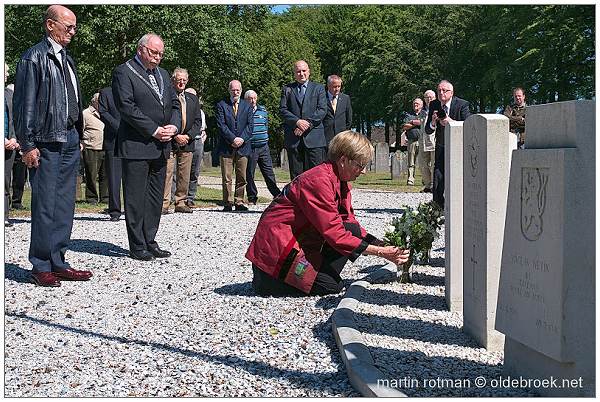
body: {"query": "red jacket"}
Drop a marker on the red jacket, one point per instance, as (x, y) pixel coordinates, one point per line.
(311, 210)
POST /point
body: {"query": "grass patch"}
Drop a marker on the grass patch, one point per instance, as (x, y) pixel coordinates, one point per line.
(205, 198)
(369, 181)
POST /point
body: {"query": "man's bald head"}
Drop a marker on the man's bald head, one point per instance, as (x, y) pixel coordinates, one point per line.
(60, 24)
(301, 71)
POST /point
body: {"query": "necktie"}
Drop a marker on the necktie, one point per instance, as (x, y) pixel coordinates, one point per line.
(235, 109)
(183, 110)
(153, 81)
(334, 103)
(302, 90)
(446, 110)
(72, 104)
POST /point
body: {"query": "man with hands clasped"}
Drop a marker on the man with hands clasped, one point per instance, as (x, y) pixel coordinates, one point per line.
(150, 117)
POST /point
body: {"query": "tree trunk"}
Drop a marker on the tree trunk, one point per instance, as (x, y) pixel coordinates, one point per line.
(386, 132)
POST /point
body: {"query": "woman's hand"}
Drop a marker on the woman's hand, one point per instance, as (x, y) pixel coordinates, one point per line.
(394, 254)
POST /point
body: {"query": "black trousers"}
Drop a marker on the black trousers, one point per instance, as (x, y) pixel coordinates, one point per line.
(328, 280)
(9, 158)
(113, 172)
(143, 188)
(438, 176)
(260, 156)
(19, 177)
(301, 158)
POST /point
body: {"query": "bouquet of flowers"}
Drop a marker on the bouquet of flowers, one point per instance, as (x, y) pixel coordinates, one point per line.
(415, 230)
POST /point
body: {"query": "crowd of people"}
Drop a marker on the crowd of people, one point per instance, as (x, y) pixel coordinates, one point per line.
(147, 130)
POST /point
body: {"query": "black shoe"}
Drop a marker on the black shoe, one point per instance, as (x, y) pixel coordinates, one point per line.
(241, 207)
(253, 202)
(17, 206)
(158, 253)
(142, 255)
(7, 223)
(227, 208)
(426, 190)
(114, 218)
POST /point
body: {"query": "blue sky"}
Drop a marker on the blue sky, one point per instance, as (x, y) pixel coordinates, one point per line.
(278, 9)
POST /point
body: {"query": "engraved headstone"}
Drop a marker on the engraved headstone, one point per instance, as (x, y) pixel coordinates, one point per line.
(382, 157)
(546, 297)
(283, 160)
(454, 215)
(398, 164)
(487, 149)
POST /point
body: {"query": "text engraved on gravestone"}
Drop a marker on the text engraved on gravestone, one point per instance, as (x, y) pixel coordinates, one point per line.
(473, 220)
(533, 201)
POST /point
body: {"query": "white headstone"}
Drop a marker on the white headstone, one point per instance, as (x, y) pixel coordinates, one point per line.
(283, 160)
(396, 165)
(382, 157)
(453, 176)
(546, 298)
(207, 160)
(487, 149)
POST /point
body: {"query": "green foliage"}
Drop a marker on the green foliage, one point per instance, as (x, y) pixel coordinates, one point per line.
(415, 229)
(386, 54)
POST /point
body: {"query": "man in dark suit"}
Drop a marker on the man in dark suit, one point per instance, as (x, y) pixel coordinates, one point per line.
(303, 107)
(235, 122)
(111, 118)
(455, 109)
(49, 124)
(339, 109)
(150, 117)
(182, 145)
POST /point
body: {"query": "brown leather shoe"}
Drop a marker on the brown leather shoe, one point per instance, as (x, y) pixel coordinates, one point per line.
(71, 274)
(183, 208)
(46, 279)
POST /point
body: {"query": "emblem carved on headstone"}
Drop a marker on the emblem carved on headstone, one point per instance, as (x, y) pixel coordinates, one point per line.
(533, 201)
(474, 154)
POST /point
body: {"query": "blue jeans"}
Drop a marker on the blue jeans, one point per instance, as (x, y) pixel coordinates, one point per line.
(53, 203)
(262, 157)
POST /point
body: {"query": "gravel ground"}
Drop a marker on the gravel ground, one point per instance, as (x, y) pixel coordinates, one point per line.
(189, 325)
(419, 345)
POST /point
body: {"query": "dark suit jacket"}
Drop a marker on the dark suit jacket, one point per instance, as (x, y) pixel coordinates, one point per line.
(110, 116)
(339, 121)
(459, 111)
(312, 108)
(193, 122)
(231, 127)
(142, 112)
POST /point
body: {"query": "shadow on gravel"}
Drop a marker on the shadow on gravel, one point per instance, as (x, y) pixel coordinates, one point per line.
(413, 329)
(382, 297)
(233, 212)
(19, 220)
(328, 302)
(437, 262)
(381, 210)
(371, 268)
(336, 382)
(13, 272)
(97, 247)
(427, 280)
(445, 376)
(236, 289)
(100, 217)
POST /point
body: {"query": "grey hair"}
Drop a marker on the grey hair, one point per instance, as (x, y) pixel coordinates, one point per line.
(250, 93)
(332, 78)
(146, 38)
(179, 70)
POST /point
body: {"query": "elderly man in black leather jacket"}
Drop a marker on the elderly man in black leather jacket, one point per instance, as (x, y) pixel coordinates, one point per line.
(48, 110)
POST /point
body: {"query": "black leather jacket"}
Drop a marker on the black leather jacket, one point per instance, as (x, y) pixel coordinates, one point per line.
(39, 102)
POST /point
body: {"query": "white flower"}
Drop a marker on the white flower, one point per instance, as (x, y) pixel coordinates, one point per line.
(390, 228)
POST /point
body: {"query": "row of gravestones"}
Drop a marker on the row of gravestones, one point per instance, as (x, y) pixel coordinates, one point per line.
(396, 162)
(520, 242)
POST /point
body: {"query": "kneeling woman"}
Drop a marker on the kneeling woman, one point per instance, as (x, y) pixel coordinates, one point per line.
(309, 232)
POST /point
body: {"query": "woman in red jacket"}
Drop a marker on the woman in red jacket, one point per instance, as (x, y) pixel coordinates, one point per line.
(307, 234)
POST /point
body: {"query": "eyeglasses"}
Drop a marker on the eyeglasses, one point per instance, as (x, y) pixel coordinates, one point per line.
(67, 27)
(183, 80)
(358, 165)
(154, 53)
(444, 90)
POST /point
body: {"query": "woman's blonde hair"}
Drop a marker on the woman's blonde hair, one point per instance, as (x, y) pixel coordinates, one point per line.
(352, 145)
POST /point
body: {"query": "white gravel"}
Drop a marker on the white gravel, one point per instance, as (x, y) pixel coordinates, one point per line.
(189, 325)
